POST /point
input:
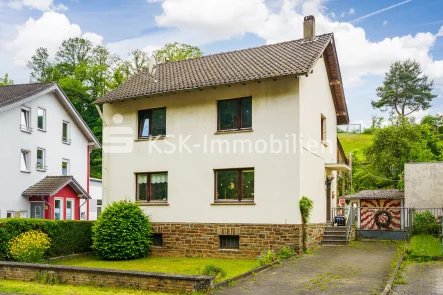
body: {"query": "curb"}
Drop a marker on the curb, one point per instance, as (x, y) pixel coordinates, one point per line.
(393, 275)
(243, 275)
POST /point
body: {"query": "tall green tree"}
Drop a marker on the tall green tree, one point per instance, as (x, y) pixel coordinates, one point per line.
(42, 70)
(405, 89)
(177, 51)
(6, 81)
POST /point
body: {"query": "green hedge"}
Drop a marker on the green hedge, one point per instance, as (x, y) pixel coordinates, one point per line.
(67, 236)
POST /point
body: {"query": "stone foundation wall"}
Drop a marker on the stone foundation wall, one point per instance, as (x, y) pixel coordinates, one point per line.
(202, 239)
(314, 235)
(58, 274)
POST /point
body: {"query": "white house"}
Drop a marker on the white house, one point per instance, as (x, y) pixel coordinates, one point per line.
(219, 150)
(423, 185)
(45, 147)
(95, 203)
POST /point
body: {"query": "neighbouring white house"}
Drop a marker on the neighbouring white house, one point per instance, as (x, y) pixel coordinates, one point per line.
(219, 150)
(95, 203)
(45, 147)
(423, 185)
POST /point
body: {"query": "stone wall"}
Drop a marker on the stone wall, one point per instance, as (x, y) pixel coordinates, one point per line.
(58, 274)
(314, 235)
(352, 235)
(202, 239)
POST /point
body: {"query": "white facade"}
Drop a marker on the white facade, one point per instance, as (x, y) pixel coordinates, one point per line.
(95, 204)
(288, 110)
(13, 181)
(424, 185)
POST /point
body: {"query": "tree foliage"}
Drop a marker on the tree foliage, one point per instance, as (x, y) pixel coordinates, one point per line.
(397, 144)
(6, 81)
(405, 89)
(177, 51)
(86, 72)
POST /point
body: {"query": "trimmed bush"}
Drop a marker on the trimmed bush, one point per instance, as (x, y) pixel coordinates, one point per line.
(67, 236)
(425, 223)
(29, 246)
(121, 232)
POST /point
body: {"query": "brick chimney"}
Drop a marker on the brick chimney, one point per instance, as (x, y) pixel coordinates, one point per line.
(309, 27)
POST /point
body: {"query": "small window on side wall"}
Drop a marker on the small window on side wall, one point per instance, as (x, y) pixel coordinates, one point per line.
(323, 128)
(25, 161)
(229, 242)
(66, 133)
(234, 185)
(152, 187)
(41, 159)
(235, 114)
(151, 123)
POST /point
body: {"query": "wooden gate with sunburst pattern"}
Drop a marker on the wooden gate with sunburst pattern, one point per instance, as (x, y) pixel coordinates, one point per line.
(369, 209)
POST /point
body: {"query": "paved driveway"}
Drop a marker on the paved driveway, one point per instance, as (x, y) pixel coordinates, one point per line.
(361, 269)
(420, 279)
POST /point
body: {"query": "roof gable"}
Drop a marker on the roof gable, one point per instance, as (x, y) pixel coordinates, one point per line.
(12, 96)
(50, 185)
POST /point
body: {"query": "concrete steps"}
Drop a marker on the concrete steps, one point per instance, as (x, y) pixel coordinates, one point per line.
(334, 235)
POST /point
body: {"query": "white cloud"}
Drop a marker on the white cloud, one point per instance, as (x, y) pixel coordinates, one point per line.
(332, 14)
(351, 11)
(440, 32)
(48, 31)
(43, 5)
(93, 37)
(343, 14)
(385, 23)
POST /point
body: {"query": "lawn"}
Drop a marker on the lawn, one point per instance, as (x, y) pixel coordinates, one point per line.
(18, 287)
(174, 265)
(354, 141)
(425, 245)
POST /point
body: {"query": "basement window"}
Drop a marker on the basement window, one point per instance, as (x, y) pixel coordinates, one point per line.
(229, 242)
(157, 240)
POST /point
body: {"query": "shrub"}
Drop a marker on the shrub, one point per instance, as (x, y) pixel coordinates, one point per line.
(122, 231)
(306, 206)
(285, 253)
(67, 236)
(266, 257)
(214, 270)
(29, 246)
(425, 223)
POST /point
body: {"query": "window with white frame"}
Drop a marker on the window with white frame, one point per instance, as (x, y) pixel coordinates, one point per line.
(66, 136)
(58, 209)
(25, 161)
(41, 159)
(69, 209)
(25, 119)
(65, 167)
(41, 119)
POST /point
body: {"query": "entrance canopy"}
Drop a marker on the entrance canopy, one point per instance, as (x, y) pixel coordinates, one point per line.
(50, 185)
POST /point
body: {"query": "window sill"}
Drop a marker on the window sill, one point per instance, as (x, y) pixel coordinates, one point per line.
(66, 142)
(41, 170)
(42, 130)
(23, 171)
(26, 131)
(233, 131)
(232, 203)
(229, 250)
(153, 204)
(151, 138)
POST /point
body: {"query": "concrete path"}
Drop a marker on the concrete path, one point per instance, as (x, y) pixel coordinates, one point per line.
(360, 269)
(424, 278)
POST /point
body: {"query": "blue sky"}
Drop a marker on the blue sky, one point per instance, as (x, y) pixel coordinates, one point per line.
(365, 47)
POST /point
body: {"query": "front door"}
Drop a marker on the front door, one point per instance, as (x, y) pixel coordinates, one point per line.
(37, 210)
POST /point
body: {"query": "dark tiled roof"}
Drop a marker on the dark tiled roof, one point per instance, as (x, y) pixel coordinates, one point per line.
(378, 194)
(14, 93)
(50, 185)
(288, 58)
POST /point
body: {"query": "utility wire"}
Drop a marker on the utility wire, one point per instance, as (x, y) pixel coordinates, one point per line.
(384, 178)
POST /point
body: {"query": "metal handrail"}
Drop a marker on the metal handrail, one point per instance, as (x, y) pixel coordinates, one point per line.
(349, 223)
